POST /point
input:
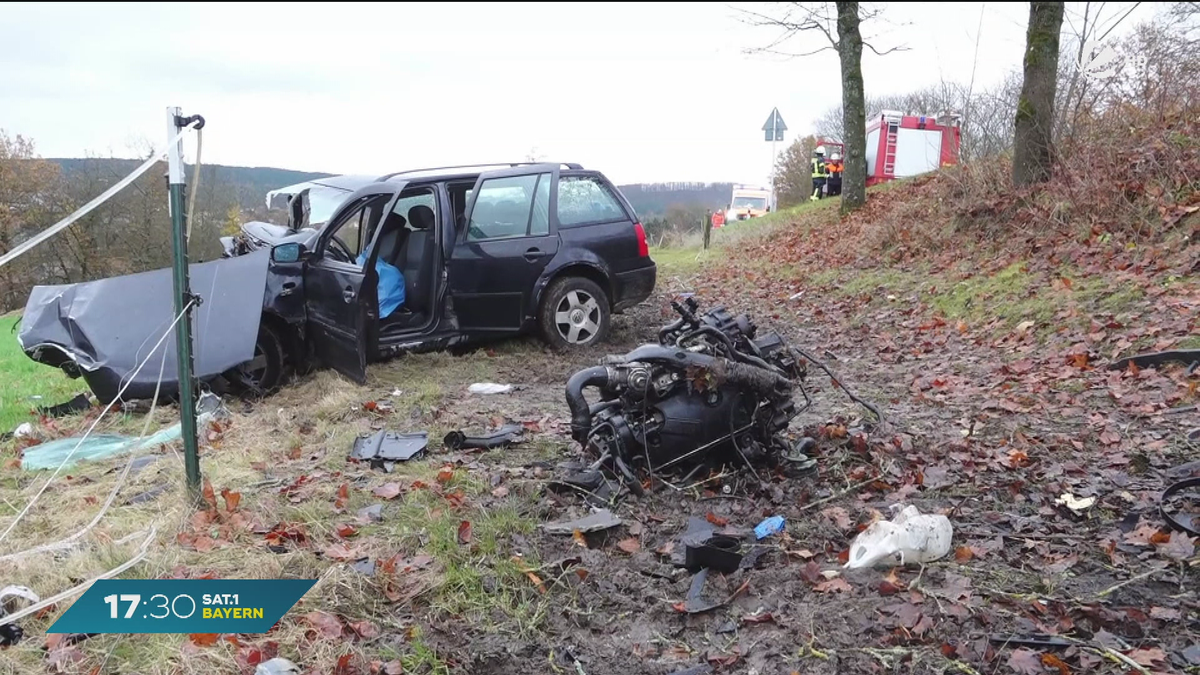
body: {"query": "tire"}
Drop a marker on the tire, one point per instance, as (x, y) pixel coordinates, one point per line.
(264, 373)
(575, 313)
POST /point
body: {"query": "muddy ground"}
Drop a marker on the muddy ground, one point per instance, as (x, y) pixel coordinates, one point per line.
(988, 435)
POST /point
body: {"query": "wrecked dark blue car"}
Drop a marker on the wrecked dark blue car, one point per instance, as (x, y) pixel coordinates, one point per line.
(528, 247)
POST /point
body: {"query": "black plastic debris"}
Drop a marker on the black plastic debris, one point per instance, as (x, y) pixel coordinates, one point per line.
(600, 520)
(77, 404)
(696, 533)
(148, 495)
(1029, 640)
(696, 603)
(509, 434)
(719, 552)
(10, 634)
(1188, 357)
(1175, 515)
(384, 448)
(580, 479)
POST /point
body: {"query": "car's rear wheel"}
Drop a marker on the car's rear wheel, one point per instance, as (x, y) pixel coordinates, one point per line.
(263, 373)
(575, 313)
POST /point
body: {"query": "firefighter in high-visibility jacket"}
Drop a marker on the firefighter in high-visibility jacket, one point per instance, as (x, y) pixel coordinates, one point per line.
(818, 173)
(833, 184)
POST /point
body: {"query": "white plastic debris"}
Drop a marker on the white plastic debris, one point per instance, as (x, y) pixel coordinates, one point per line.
(489, 388)
(910, 537)
(277, 666)
(22, 430)
(1074, 503)
(8, 593)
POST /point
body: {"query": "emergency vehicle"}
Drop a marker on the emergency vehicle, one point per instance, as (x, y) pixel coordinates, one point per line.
(900, 145)
(747, 201)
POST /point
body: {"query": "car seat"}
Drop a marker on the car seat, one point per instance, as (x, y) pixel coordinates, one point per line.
(417, 262)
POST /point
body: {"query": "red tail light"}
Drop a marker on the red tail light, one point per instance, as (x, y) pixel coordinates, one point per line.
(643, 247)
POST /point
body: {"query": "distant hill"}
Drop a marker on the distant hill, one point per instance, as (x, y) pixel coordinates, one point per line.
(655, 199)
(250, 184)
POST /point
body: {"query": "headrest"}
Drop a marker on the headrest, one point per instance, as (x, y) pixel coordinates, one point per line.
(393, 223)
(421, 217)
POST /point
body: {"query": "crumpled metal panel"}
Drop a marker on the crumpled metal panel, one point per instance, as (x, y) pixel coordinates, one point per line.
(106, 327)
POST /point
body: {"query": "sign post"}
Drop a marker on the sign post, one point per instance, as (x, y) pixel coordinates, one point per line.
(183, 300)
(774, 129)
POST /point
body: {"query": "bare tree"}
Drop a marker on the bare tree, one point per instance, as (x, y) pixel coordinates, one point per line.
(793, 176)
(839, 24)
(1033, 153)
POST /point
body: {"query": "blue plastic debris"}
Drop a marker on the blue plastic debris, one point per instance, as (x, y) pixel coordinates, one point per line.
(768, 527)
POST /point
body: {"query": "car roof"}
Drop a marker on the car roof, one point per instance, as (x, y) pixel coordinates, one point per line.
(353, 182)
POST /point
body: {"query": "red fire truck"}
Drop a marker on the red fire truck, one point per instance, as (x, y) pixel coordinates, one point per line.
(900, 145)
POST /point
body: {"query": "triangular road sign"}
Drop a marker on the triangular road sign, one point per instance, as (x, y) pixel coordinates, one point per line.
(775, 122)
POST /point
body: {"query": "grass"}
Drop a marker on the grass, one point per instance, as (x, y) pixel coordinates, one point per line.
(24, 378)
(305, 430)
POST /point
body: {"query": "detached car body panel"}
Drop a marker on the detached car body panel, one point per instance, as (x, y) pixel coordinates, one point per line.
(480, 255)
(101, 330)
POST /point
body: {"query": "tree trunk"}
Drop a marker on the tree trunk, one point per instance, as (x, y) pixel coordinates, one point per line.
(1033, 153)
(854, 108)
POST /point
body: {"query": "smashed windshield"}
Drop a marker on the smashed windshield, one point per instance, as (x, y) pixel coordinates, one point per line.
(322, 201)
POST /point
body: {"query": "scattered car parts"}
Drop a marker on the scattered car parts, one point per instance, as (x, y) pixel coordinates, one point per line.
(1184, 522)
(508, 434)
(384, 448)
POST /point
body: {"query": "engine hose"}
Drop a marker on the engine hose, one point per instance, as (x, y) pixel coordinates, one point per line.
(733, 351)
(764, 381)
(581, 415)
(665, 330)
(838, 381)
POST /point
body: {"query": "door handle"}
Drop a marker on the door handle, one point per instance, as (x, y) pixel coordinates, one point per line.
(533, 254)
(348, 294)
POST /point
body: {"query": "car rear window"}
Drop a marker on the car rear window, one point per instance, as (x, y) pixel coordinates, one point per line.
(586, 199)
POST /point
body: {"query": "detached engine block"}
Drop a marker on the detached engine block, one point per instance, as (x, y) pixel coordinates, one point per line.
(712, 391)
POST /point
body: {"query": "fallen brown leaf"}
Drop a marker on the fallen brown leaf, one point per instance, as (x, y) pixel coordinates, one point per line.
(834, 585)
(341, 553)
(365, 629)
(1148, 656)
(232, 499)
(1025, 662)
(210, 499)
(464, 532)
(345, 531)
(716, 520)
(325, 624)
(1052, 661)
(630, 545)
(343, 496)
(387, 491)
(204, 639)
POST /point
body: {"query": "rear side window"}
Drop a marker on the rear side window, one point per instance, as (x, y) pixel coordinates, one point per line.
(515, 206)
(586, 199)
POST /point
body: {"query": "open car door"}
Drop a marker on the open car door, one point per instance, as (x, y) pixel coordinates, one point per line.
(508, 239)
(340, 281)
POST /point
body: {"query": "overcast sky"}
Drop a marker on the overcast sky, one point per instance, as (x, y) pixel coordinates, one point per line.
(643, 92)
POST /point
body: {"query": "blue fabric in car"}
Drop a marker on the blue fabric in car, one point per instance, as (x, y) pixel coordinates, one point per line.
(391, 285)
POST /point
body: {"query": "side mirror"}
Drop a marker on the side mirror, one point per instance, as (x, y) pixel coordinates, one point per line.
(287, 253)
